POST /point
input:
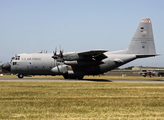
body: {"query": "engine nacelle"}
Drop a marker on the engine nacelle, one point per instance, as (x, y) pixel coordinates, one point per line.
(71, 56)
(82, 63)
(60, 69)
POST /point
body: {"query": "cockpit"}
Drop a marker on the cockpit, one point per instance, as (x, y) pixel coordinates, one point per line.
(15, 58)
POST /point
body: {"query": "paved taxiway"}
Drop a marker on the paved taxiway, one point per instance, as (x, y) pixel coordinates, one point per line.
(84, 80)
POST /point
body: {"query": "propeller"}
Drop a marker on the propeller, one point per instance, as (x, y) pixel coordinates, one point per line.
(59, 56)
(55, 56)
(61, 53)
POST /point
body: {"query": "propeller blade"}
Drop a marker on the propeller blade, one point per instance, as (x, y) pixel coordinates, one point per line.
(55, 51)
(55, 56)
(61, 52)
(58, 57)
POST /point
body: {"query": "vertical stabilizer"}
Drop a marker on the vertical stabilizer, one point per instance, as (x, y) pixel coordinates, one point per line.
(143, 40)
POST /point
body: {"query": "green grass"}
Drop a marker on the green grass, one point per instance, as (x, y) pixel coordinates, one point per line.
(81, 100)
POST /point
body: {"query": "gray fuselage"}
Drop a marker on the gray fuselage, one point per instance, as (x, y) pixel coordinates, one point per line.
(43, 63)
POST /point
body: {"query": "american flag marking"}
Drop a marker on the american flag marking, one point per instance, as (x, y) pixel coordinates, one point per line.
(144, 32)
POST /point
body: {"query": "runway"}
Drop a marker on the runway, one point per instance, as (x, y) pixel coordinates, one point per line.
(84, 80)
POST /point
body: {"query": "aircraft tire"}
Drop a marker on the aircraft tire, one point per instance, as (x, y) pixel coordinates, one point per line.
(20, 76)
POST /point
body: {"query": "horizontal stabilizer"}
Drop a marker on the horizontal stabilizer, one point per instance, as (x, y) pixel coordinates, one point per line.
(143, 56)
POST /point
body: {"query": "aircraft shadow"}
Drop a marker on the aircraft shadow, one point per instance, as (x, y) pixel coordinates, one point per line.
(97, 80)
(158, 80)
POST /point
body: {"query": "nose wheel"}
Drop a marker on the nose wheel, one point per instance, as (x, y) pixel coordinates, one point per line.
(20, 76)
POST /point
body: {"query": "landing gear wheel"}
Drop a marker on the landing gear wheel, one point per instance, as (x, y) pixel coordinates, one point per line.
(20, 76)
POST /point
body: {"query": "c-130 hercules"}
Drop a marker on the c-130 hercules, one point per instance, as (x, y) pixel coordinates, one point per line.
(92, 62)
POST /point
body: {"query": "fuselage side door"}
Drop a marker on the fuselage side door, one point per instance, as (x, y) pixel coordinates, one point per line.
(14, 64)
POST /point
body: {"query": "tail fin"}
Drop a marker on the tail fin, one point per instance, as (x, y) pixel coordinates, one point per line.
(143, 41)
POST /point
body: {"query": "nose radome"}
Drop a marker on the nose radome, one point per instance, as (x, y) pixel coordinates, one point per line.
(6, 66)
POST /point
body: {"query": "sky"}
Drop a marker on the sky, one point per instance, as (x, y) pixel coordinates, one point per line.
(29, 26)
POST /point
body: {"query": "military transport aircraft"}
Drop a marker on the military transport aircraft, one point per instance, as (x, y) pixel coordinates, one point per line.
(92, 62)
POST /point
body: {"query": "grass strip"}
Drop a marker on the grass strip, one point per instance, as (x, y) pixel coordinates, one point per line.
(81, 100)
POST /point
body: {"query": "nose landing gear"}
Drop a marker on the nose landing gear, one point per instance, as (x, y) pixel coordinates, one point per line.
(20, 76)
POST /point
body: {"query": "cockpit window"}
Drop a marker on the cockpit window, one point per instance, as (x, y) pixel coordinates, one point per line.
(17, 58)
(14, 63)
(12, 59)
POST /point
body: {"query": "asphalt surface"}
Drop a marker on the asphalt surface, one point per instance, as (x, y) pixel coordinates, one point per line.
(84, 80)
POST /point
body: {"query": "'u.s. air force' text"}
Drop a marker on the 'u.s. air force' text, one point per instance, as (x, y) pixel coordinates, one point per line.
(30, 58)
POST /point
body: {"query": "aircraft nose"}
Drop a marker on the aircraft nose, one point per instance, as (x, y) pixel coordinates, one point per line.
(6, 66)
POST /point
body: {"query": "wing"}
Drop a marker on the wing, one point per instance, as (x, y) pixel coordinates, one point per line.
(88, 58)
(93, 54)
